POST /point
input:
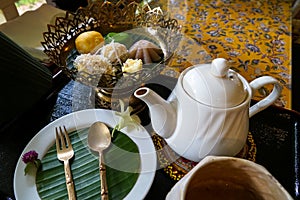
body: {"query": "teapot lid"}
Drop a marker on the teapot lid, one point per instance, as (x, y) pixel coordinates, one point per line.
(214, 84)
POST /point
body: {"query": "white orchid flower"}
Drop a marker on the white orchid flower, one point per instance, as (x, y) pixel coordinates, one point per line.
(125, 119)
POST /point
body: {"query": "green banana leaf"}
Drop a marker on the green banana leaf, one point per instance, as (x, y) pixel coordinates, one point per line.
(122, 164)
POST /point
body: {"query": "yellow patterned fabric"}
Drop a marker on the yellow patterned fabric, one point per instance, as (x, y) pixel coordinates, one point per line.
(253, 35)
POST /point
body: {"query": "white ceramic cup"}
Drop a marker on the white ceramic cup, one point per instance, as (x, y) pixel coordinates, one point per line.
(217, 177)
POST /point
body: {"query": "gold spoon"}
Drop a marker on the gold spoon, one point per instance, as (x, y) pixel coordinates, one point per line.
(99, 138)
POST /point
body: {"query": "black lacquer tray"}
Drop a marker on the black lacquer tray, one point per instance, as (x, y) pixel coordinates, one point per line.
(275, 132)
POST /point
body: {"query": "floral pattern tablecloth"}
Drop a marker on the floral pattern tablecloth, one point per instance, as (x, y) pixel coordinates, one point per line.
(253, 35)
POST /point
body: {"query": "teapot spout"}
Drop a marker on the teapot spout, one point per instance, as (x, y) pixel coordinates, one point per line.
(162, 113)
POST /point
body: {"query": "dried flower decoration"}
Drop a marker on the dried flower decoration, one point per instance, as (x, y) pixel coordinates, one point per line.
(32, 162)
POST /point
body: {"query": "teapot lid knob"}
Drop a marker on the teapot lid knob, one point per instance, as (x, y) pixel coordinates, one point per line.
(219, 67)
(214, 84)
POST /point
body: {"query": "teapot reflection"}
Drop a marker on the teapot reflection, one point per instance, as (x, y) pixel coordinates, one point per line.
(208, 111)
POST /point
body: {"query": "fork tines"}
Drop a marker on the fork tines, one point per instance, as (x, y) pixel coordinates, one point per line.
(63, 138)
(64, 153)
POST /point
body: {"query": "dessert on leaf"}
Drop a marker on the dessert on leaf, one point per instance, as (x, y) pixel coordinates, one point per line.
(88, 41)
(117, 55)
(93, 64)
(115, 52)
(132, 65)
(147, 51)
(89, 46)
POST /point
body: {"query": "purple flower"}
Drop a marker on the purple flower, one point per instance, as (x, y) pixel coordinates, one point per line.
(30, 156)
(257, 10)
(32, 162)
(277, 19)
(276, 61)
(198, 35)
(214, 24)
(278, 42)
(242, 14)
(196, 26)
(213, 33)
(237, 27)
(197, 4)
(229, 40)
(285, 75)
(265, 29)
(253, 48)
(255, 62)
(179, 17)
(233, 53)
(212, 47)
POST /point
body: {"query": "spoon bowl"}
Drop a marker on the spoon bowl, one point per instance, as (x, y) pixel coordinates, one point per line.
(99, 138)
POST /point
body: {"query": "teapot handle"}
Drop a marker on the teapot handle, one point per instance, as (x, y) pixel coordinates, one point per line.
(268, 100)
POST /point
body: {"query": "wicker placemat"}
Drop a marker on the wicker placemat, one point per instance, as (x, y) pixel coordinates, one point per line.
(176, 167)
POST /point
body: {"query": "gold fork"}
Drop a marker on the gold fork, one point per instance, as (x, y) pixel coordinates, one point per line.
(65, 153)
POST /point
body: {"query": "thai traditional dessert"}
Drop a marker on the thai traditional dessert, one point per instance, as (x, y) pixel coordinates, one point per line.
(145, 50)
(114, 51)
(89, 41)
(93, 64)
(113, 58)
(132, 65)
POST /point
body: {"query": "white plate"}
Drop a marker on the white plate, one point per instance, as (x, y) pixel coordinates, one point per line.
(24, 186)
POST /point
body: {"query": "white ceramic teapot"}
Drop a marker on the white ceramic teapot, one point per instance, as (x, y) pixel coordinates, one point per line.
(208, 111)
